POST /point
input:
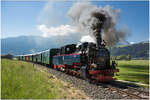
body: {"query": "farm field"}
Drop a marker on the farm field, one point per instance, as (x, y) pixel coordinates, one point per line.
(134, 70)
(22, 80)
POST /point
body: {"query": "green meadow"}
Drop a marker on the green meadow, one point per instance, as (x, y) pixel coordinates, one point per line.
(134, 70)
(22, 80)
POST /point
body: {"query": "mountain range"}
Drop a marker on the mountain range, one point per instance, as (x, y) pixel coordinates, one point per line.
(30, 44)
(25, 45)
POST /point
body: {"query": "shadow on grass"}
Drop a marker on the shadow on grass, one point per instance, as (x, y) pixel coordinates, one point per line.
(123, 85)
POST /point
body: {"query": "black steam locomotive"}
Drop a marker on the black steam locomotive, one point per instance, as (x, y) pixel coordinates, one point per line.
(86, 60)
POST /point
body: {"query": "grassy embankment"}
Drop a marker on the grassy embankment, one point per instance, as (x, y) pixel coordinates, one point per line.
(23, 80)
(134, 70)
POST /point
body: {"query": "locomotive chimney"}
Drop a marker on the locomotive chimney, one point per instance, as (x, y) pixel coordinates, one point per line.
(98, 28)
(98, 38)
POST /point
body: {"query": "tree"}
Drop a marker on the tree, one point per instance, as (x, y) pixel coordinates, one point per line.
(128, 57)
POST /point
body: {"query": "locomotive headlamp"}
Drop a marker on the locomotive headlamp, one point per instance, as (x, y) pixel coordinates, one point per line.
(95, 65)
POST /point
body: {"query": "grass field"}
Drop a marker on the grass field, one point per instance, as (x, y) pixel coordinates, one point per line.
(22, 80)
(134, 70)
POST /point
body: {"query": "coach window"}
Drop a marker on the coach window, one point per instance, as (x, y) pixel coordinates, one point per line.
(67, 49)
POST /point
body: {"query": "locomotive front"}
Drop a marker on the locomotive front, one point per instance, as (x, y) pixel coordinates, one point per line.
(97, 63)
(102, 59)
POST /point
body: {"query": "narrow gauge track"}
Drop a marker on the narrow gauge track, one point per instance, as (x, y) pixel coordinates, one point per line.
(112, 90)
(132, 89)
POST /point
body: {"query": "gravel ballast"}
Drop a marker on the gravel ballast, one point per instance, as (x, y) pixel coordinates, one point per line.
(91, 90)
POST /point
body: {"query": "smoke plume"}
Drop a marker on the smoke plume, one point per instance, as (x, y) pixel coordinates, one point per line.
(86, 17)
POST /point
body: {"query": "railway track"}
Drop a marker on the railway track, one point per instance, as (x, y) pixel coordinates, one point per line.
(127, 91)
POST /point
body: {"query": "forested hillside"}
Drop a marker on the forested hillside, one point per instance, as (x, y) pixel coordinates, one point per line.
(139, 50)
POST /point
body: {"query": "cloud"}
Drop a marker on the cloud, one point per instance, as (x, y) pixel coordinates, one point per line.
(53, 14)
(132, 42)
(61, 35)
(87, 38)
(62, 30)
(53, 24)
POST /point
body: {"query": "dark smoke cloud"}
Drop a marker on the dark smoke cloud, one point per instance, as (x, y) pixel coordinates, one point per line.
(85, 15)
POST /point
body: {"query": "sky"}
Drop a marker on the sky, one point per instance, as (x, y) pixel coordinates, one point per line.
(27, 17)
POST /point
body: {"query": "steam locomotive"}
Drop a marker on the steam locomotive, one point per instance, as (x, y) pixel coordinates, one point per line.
(87, 60)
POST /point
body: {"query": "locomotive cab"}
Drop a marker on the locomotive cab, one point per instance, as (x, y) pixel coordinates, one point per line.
(68, 49)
